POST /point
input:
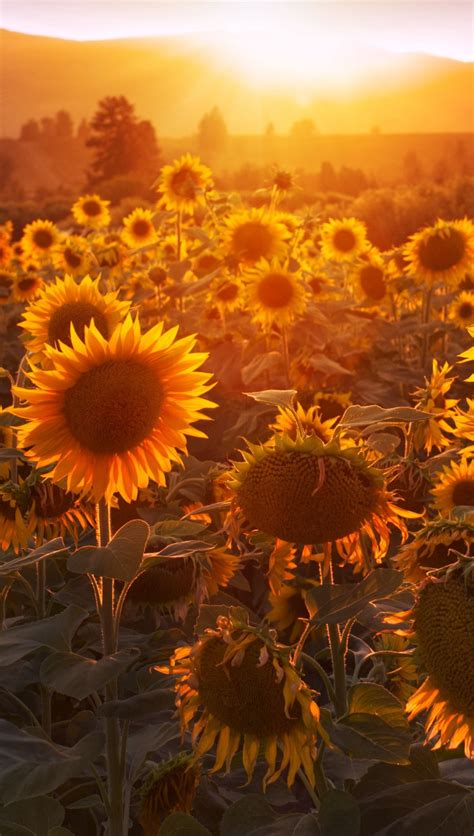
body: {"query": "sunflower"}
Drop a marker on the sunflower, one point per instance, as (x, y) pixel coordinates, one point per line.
(432, 398)
(306, 492)
(73, 256)
(308, 420)
(443, 623)
(461, 310)
(254, 234)
(168, 787)
(400, 673)
(468, 355)
(441, 253)
(288, 607)
(39, 238)
(344, 239)
(174, 583)
(26, 287)
(92, 211)
(274, 295)
(6, 252)
(54, 512)
(226, 293)
(205, 264)
(7, 278)
(184, 184)
(15, 530)
(332, 404)
(368, 279)
(111, 414)
(110, 251)
(6, 432)
(464, 422)
(138, 228)
(246, 687)
(67, 302)
(455, 487)
(430, 548)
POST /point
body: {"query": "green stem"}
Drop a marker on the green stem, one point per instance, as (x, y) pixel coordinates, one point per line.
(322, 673)
(426, 319)
(286, 354)
(334, 638)
(112, 727)
(41, 588)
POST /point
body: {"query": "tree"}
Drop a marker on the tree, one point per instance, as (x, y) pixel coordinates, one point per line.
(303, 129)
(212, 132)
(30, 131)
(48, 130)
(122, 143)
(83, 131)
(63, 124)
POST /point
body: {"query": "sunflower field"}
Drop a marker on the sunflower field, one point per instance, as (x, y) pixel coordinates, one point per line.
(236, 521)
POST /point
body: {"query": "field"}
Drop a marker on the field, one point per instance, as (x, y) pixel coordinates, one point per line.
(237, 519)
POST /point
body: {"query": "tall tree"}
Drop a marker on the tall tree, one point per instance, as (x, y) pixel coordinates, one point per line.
(212, 132)
(122, 143)
(64, 124)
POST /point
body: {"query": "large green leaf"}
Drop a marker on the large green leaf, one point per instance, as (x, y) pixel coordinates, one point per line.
(246, 815)
(369, 698)
(362, 416)
(119, 559)
(55, 632)
(33, 766)
(368, 737)
(335, 603)
(53, 548)
(139, 705)
(182, 824)
(339, 814)
(78, 676)
(33, 816)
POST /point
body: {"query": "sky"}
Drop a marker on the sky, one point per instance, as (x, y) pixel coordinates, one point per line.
(437, 27)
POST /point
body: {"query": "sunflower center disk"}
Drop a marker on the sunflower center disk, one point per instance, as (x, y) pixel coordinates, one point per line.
(444, 628)
(344, 240)
(43, 239)
(245, 697)
(26, 284)
(465, 310)
(372, 282)
(442, 250)
(71, 258)
(79, 314)
(183, 184)
(463, 492)
(227, 293)
(282, 496)
(141, 228)
(114, 406)
(275, 290)
(163, 584)
(91, 208)
(252, 240)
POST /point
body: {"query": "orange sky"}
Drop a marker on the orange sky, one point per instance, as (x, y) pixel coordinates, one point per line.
(436, 27)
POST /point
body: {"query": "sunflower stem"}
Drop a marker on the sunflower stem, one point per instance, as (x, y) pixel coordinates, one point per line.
(426, 318)
(286, 355)
(335, 643)
(112, 727)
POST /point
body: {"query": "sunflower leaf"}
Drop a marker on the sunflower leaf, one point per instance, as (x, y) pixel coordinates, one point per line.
(78, 676)
(276, 397)
(119, 559)
(335, 603)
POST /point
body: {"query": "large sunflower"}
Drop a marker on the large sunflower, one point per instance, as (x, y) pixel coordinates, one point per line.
(110, 415)
(441, 253)
(138, 228)
(368, 280)
(73, 256)
(443, 623)
(92, 211)
(183, 185)
(461, 310)
(309, 420)
(430, 548)
(252, 234)
(67, 302)
(39, 238)
(274, 295)
(455, 486)
(246, 687)
(304, 491)
(344, 239)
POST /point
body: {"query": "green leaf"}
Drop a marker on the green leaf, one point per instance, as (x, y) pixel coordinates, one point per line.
(246, 815)
(119, 559)
(55, 632)
(307, 826)
(339, 814)
(32, 766)
(54, 548)
(275, 397)
(369, 698)
(362, 416)
(173, 530)
(368, 737)
(182, 824)
(78, 676)
(139, 705)
(334, 603)
(36, 816)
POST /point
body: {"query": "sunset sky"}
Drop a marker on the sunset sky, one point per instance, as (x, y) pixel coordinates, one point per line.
(440, 28)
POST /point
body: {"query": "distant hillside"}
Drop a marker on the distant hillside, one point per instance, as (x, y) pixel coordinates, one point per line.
(174, 80)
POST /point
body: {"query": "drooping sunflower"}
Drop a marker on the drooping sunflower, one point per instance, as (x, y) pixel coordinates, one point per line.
(92, 211)
(110, 252)
(309, 420)
(274, 294)
(288, 607)
(455, 486)
(168, 787)
(184, 184)
(401, 676)
(253, 234)
(54, 512)
(111, 414)
(461, 310)
(66, 302)
(443, 622)
(174, 583)
(432, 398)
(26, 287)
(73, 256)
(442, 253)
(332, 404)
(246, 687)
(138, 228)
(368, 280)
(343, 239)
(430, 547)
(39, 238)
(307, 492)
